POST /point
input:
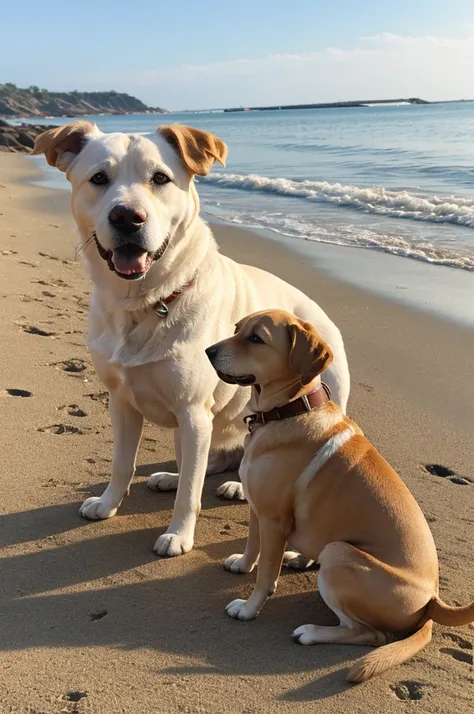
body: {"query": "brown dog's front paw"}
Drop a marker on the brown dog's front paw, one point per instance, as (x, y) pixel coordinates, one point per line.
(231, 491)
(296, 561)
(238, 563)
(239, 610)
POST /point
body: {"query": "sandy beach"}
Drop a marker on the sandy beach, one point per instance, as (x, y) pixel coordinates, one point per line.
(91, 619)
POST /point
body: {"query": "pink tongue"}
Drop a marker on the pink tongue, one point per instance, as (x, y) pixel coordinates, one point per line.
(129, 264)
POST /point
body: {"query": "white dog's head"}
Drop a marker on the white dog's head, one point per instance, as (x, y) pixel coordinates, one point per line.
(131, 193)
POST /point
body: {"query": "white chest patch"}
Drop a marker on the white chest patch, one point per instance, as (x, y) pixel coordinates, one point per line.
(323, 455)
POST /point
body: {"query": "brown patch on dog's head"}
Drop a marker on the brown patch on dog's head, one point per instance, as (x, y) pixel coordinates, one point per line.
(68, 139)
(198, 149)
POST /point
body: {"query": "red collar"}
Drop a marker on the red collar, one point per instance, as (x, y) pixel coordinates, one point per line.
(161, 306)
(306, 403)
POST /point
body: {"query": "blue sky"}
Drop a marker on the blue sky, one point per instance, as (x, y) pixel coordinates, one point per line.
(204, 53)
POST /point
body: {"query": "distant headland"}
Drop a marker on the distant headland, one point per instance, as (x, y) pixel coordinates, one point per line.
(35, 102)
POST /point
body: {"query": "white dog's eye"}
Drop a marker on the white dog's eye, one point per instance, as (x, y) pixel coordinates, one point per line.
(99, 179)
(159, 179)
(255, 339)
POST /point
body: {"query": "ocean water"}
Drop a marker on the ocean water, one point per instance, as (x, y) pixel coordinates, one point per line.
(396, 179)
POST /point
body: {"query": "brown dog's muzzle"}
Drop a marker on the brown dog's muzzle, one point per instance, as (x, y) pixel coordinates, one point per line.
(243, 380)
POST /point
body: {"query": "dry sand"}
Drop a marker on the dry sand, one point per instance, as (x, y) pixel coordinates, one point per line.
(91, 620)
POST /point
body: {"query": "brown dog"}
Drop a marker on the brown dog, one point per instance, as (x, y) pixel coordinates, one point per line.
(315, 481)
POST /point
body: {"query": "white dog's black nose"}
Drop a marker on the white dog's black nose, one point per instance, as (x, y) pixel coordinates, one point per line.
(126, 219)
(211, 352)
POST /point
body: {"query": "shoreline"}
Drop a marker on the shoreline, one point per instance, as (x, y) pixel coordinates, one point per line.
(86, 607)
(430, 288)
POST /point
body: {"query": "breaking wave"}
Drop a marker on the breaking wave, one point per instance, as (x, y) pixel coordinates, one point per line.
(377, 200)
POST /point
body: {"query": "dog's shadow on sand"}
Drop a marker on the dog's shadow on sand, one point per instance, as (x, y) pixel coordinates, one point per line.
(141, 601)
(51, 521)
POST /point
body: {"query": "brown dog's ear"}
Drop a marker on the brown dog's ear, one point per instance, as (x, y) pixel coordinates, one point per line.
(309, 354)
(198, 149)
(61, 140)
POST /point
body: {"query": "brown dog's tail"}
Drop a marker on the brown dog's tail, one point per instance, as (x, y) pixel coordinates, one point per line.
(390, 655)
(448, 614)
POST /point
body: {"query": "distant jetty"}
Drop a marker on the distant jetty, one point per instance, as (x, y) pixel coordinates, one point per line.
(329, 105)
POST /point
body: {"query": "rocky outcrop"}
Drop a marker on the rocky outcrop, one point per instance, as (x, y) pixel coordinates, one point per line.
(17, 102)
(19, 139)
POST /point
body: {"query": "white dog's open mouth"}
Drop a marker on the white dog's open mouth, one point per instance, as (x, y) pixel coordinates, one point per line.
(129, 261)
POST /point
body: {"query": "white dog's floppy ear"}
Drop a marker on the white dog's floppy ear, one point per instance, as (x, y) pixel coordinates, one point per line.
(56, 143)
(198, 149)
(309, 354)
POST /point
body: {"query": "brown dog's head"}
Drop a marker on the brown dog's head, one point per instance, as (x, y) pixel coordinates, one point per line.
(271, 347)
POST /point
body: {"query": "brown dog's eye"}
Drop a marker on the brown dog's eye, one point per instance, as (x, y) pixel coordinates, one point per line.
(99, 179)
(159, 179)
(255, 339)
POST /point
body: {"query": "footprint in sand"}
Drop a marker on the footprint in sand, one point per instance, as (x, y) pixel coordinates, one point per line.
(458, 640)
(73, 410)
(57, 283)
(75, 696)
(73, 365)
(99, 615)
(60, 429)
(54, 257)
(18, 393)
(33, 330)
(54, 483)
(409, 690)
(447, 473)
(29, 298)
(102, 397)
(9, 252)
(459, 655)
(81, 301)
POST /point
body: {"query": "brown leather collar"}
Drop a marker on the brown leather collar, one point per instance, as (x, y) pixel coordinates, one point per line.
(306, 403)
(161, 307)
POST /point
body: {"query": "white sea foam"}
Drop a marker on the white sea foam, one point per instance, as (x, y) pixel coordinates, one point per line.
(378, 200)
(355, 236)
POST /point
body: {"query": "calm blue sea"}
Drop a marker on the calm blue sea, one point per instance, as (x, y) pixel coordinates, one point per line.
(398, 179)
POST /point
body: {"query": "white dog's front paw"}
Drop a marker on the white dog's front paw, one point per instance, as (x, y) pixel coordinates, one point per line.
(237, 563)
(292, 559)
(239, 610)
(172, 544)
(95, 509)
(163, 481)
(306, 635)
(231, 491)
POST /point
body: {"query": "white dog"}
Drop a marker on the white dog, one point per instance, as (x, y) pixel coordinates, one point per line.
(162, 294)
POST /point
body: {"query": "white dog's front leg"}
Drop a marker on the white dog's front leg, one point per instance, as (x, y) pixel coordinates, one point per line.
(127, 425)
(195, 430)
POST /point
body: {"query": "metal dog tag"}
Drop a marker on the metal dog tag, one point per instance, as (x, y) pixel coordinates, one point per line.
(161, 309)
